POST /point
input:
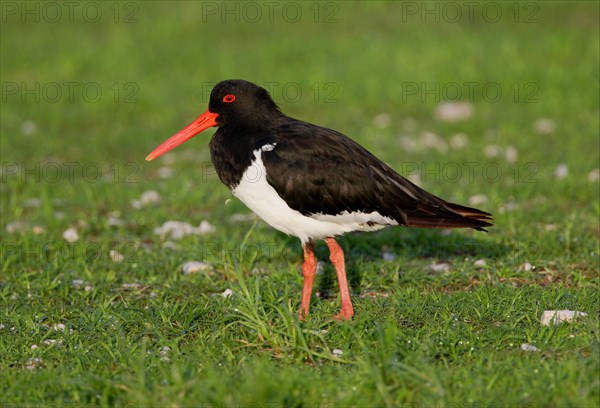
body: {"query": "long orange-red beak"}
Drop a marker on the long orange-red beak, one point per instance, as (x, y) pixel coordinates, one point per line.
(202, 122)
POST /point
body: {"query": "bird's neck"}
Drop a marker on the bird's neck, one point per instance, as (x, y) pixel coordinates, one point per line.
(232, 150)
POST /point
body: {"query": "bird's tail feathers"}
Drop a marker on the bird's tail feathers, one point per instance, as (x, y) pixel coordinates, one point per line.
(456, 216)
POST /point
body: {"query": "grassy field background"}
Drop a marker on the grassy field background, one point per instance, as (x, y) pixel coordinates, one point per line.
(109, 319)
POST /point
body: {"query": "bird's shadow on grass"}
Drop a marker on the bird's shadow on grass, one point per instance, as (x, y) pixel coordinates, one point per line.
(398, 247)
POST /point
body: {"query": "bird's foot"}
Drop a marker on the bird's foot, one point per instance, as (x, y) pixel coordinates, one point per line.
(303, 312)
(344, 314)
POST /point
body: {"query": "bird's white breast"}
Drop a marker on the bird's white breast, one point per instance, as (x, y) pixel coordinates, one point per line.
(254, 191)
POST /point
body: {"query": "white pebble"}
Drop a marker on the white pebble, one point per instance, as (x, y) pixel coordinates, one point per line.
(492, 151)
(458, 141)
(508, 207)
(227, 293)
(529, 347)
(433, 141)
(480, 263)
(195, 266)
(407, 143)
(116, 256)
(169, 245)
(205, 227)
(77, 283)
(70, 235)
(131, 286)
(164, 172)
(147, 197)
(34, 346)
(511, 154)
(388, 256)
(114, 220)
(478, 199)
(544, 126)
(58, 327)
(164, 353)
(28, 127)
(525, 267)
(561, 171)
(557, 316)
(16, 226)
(440, 267)
(33, 363)
(38, 229)
(32, 203)
(177, 230)
(382, 120)
(594, 175)
(337, 352)
(454, 111)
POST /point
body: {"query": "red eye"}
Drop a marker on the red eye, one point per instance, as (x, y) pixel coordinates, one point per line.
(229, 98)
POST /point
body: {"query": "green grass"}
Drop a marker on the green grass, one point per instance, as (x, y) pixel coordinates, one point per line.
(419, 337)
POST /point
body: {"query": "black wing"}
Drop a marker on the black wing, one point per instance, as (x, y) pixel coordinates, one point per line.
(318, 170)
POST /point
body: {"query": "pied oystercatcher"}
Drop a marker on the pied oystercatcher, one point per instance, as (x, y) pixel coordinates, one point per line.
(310, 181)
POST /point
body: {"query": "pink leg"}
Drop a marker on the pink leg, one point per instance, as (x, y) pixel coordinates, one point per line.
(336, 254)
(309, 268)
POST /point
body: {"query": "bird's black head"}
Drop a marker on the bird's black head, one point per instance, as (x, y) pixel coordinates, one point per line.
(242, 104)
(234, 103)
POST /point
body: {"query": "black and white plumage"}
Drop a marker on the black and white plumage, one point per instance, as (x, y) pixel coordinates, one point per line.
(310, 181)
